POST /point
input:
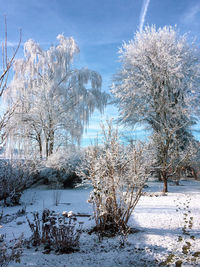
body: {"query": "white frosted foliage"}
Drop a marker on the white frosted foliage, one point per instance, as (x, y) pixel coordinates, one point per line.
(158, 85)
(159, 75)
(54, 99)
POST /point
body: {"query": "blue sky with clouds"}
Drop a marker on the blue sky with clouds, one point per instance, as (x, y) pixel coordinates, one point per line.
(98, 26)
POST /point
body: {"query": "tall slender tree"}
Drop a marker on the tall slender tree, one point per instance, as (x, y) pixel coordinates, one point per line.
(6, 62)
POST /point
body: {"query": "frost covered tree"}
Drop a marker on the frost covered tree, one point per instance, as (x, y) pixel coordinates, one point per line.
(172, 158)
(54, 99)
(158, 83)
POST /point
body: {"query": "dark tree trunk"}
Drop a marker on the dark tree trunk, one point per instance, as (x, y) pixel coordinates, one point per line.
(40, 145)
(51, 143)
(165, 185)
(194, 173)
(47, 147)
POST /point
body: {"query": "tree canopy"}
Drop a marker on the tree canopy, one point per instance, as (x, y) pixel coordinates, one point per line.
(54, 100)
(159, 79)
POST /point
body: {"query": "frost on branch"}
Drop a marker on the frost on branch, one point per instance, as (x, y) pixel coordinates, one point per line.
(160, 74)
(15, 177)
(53, 99)
(56, 232)
(158, 85)
(117, 174)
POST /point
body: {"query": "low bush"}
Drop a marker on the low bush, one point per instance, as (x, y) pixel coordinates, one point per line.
(56, 232)
(10, 252)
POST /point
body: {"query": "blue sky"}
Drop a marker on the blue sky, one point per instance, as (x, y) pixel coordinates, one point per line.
(98, 26)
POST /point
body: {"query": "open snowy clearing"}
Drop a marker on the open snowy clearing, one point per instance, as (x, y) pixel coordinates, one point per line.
(167, 229)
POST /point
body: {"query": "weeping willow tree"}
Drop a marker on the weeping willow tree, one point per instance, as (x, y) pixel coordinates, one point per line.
(54, 100)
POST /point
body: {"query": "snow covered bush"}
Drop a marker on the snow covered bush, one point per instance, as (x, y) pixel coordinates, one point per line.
(54, 231)
(117, 174)
(15, 176)
(10, 252)
(61, 167)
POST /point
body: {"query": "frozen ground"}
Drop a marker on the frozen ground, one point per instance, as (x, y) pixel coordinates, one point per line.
(168, 229)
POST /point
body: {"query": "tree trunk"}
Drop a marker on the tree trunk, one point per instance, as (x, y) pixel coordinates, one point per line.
(194, 173)
(40, 145)
(164, 178)
(51, 142)
(47, 147)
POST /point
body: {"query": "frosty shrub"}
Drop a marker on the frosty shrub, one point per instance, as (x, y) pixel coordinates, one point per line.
(10, 252)
(15, 176)
(61, 166)
(57, 232)
(117, 174)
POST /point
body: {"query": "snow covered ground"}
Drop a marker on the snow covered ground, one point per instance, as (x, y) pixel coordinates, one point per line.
(168, 229)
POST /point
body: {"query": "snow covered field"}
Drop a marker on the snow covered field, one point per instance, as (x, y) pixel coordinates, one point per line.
(167, 229)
